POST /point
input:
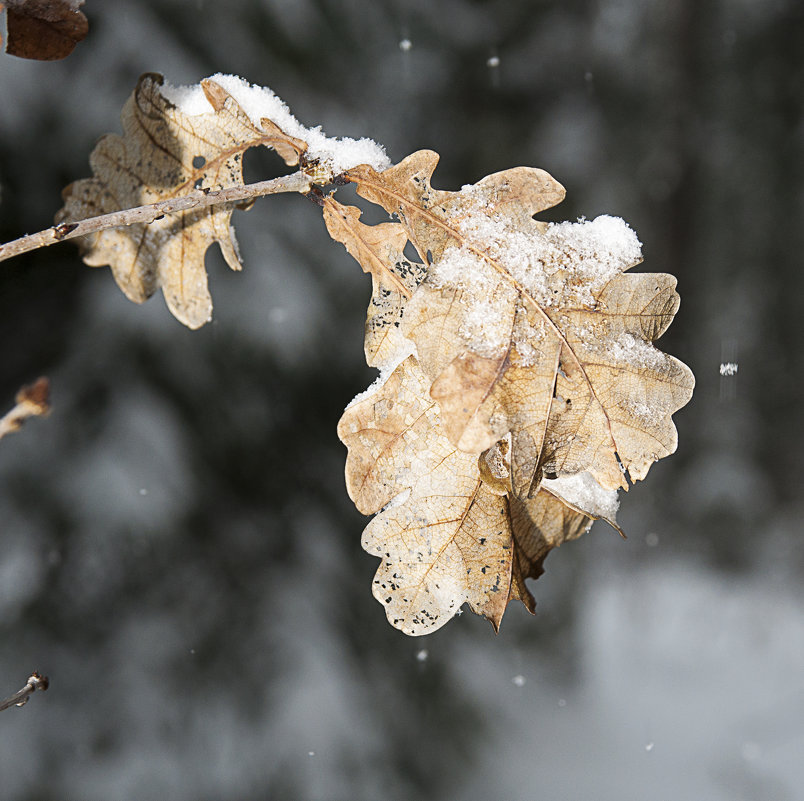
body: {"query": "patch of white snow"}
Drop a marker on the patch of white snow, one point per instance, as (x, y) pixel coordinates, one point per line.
(338, 154)
(635, 352)
(583, 492)
(386, 370)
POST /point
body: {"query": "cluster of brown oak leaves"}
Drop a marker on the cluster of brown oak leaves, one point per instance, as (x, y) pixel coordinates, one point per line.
(476, 459)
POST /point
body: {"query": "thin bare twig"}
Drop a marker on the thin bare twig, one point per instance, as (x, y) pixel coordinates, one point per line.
(32, 401)
(35, 682)
(198, 199)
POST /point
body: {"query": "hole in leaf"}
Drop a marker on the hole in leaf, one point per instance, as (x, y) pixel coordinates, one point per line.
(198, 162)
(370, 213)
(262, 164)
(411, 254)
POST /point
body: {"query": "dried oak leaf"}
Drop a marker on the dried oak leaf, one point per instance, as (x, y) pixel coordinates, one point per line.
(165, 153)
(447, 531)
(534, 330)
(44, 30)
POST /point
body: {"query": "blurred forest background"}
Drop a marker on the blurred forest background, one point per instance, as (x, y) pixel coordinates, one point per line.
(177, 549)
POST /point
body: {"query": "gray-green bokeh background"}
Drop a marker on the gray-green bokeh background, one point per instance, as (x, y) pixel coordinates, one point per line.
(177, 549)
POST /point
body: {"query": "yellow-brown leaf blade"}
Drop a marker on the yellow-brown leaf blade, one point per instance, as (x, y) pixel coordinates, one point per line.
(443, 539)
(379, 249)
(501, 326)
(539, 524)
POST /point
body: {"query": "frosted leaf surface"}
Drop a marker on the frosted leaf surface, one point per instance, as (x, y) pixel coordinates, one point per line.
(535, 330)
(386, 371)
(447, 543)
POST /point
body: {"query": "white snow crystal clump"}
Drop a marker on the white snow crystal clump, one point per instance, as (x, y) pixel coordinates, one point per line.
(487, 322)
(596, 250)
(386, 370)
(258, 101)
(631, 350)
(580, 257)
(583, 492)
(563, 265)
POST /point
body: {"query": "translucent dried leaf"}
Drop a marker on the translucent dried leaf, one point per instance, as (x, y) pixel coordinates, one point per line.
(534, 330)
(534, 392)
(444, 533)
(165, 154)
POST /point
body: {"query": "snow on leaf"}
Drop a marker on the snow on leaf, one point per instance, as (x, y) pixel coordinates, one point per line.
(582, 492)
(332, 154)
(165, 153)
(405, 190)
(534, 329)
(534, 393)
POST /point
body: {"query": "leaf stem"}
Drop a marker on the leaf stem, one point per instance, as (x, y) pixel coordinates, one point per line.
(198, 199)
(20, 698)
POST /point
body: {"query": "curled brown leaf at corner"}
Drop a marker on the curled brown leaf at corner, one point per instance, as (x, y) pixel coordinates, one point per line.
(44, 30)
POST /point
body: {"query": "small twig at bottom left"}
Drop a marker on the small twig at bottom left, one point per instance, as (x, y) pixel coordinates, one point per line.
(35, 682)
(32, 401)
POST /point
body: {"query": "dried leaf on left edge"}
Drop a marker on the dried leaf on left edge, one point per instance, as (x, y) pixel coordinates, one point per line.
(165, 153)
(447, 532)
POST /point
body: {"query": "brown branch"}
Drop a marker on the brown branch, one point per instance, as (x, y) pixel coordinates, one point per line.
(296, 182)
(32, 401)
(20, 698)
